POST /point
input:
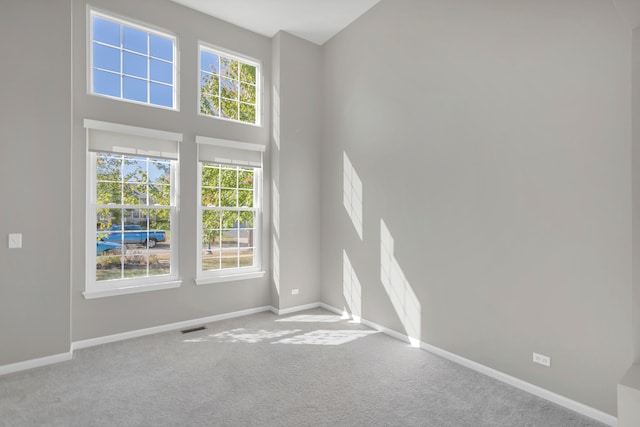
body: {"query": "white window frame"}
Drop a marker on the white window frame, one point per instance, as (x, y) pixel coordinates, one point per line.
(237, 57)
(240, 273)
(98, 289)
(138, 25)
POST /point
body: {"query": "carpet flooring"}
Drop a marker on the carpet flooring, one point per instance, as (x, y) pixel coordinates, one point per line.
(306, 369)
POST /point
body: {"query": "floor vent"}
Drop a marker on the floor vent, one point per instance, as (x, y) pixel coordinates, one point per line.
(199, 328)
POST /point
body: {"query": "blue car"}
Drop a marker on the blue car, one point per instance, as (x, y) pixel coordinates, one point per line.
(103, 248)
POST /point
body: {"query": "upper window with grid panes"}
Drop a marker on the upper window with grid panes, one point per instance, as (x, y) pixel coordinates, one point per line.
(132, 62)
(229, 86)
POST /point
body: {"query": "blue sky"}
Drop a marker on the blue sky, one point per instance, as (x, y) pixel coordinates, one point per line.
(131, 63)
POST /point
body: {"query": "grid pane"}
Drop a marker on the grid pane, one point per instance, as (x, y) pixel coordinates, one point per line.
(161, 94)
(109, 167)
(229, 109)
(106, 31)
(106, 83)
(209, 62)
(109, 247)
(209, 83)
(234, 82)
(228, 88)
(229, 258)
(210, 196)
(161, 47)
(161, 71)
(228, 198)
(145, 57)
(106, 58)
(210, 258)
(135, 194)
(135, 169)
(210, 176)
(245, 178)
(228, 227)
(134, 64)
(134, 39)
(134, 89)
(246, 258)
(228, 177)
(247, 113)
(247, 73)
(210, 105)
(229, 68)
(247, 93)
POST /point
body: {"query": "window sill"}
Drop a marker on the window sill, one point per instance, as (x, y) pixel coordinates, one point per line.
(131, 289)
(230, 278)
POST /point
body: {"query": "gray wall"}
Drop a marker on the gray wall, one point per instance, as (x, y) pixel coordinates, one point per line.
(636, 192)
(35, 138)
(296, 171)
(493, 140)
(105, 316)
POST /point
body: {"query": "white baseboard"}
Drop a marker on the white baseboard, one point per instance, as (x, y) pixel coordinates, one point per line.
(490, 372)
(295, 309)
(164, 328)
(35, 363)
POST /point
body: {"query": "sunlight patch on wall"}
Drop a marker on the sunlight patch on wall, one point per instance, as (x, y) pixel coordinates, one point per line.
(275, 256)
(352, 194)
(275, 208)
(312, 318)
(276, 117)
(326, 337)
(351, 288)
(403, 298)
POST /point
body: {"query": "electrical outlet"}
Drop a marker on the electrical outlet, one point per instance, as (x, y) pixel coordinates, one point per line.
(542, 360)
(294, 292)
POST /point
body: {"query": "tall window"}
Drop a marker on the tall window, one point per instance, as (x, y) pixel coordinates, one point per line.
(132, 62)
(229, 86)
(132, 210)
(229, 220)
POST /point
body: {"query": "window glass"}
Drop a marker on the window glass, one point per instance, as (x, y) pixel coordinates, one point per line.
(228, 217)
(134, 216)
(131, 62)
(228, 87)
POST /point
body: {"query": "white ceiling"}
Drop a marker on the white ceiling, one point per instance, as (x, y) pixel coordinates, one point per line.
(313, 20)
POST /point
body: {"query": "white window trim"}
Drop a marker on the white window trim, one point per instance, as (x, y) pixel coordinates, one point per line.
(240, 273)
(230, 278)
(94, 289)
(238, 57)
(143, 26)
(131, 289)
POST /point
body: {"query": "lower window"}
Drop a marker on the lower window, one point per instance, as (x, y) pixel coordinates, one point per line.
(131, 220)
(228, 220)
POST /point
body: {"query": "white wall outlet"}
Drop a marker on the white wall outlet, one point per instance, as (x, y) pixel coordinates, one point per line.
(15, 241)
(542, 360)
(294, 292)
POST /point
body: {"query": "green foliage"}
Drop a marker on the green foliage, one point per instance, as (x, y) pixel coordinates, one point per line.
(248, 73)
(229, 188)
(232, 93)
(136, 181)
